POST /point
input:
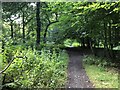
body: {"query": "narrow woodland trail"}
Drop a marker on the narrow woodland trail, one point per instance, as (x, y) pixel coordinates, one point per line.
(77, 77)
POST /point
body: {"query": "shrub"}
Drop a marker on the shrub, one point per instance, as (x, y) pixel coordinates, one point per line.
(40, 69)
(90, 59)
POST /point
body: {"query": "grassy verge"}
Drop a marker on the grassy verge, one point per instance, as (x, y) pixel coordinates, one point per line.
(102, 77)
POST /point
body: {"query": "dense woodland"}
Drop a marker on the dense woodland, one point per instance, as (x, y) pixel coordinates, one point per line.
(35, 36)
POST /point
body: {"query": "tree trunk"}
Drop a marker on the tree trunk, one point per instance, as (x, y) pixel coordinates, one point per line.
(105, 36)
(11, 25)
(23, 28)
(83, 42)
(110, 43)
(88, 41)
(3, 45)
(45, 34)
(117, 36)
(38, 24)
(46, 29)
(105, 41)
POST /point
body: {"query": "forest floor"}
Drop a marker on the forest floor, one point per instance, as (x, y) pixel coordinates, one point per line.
(77, 77)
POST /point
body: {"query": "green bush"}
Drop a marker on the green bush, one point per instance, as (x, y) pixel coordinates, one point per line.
(39, 69)
(90, 59)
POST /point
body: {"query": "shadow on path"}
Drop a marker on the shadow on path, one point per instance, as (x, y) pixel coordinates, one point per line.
(77, 77)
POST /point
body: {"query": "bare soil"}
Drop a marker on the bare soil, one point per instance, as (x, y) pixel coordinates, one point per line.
(77, 77)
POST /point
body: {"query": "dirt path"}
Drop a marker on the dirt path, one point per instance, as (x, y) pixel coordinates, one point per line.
(77, 77)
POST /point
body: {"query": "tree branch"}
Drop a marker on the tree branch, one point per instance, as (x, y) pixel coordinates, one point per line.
(28, 21)
(10, 64)
(47, 29)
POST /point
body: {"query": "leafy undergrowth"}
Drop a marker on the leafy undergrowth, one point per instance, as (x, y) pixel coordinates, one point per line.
(100, 61)
(102, 77)
(44, 69)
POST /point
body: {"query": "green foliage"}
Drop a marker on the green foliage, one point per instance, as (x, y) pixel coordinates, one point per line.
(94, 60)
(75, 44)
(45, 70)
(68, 43)
(71, 43)
(89, 23)
(116, 48)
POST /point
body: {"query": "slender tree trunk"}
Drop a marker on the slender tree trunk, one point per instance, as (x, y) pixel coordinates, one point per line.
(88, 39)
(3, 79)
(82, 42)
(11, 25)
(105, 41)
(45, 34)
(23, 27)
(117, 36)
(110, 43)
(3, 45)
(38, 24)
(46, 29)
(105, 36)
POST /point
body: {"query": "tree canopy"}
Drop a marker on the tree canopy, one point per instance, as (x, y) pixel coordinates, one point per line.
(51, 25)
